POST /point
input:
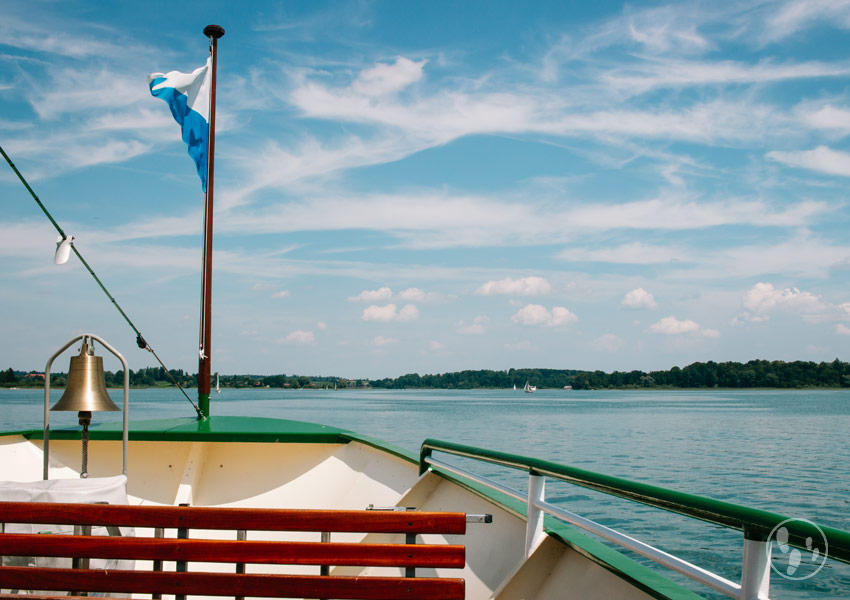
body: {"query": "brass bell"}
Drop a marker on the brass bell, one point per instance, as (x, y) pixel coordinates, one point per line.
(86, 387)
(85, 392)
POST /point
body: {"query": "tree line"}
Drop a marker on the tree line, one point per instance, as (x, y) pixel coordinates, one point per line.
(752, 374)
(159, 377)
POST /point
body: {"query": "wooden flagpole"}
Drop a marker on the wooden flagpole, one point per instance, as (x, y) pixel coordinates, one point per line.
(214, 32)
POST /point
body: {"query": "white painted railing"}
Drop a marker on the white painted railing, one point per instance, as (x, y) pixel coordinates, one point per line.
(755, 578)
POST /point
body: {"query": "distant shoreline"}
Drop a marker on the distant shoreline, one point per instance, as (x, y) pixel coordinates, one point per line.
(518, 390)
(754, 374)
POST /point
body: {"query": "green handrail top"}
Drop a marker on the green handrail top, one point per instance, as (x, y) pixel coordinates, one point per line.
(755, 523)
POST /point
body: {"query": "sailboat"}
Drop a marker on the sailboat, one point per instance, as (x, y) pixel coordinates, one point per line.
(532, 548)
(217, 385)
(529, 389)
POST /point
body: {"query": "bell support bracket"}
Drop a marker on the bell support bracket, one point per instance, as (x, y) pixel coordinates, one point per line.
(125, 438)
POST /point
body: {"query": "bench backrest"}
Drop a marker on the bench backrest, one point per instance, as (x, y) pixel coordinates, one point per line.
(239, 551)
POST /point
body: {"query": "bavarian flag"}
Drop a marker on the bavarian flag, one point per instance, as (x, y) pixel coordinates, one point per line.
(188, 97)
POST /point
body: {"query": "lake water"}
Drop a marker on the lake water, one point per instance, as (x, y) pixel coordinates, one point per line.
(784, 451)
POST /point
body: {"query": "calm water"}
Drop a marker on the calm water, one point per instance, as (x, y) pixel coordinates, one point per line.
(782, 451)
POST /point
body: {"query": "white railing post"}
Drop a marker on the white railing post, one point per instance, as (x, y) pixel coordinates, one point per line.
(534, 526)
(755, 575)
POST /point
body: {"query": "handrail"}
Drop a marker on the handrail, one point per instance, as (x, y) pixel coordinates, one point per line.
(756, 524)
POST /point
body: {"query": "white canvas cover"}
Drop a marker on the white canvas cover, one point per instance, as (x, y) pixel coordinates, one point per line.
(94, 490)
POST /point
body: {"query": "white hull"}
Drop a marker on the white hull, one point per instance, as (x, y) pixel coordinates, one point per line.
(350, 475)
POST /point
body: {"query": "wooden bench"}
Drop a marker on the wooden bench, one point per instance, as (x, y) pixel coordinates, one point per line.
(185, 580)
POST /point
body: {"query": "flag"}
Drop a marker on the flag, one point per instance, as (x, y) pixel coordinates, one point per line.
(188, 97)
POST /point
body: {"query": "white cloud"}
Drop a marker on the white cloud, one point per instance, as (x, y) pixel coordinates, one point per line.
(528, 286)
(764, 299)
(415, 294)
(412, 295)
(677, 213)
(746, 317)
(378, 295)
(522, 345)
(788, 18)
(300, 337)
(408, 313)
(842, 329)
(822, 159)
(379, 313)
(322, 326)
(387, 79)
(639, 298)
(477, 327)
(380, 340)
(673, 326)
(282, 294)
(661, 35)
(435, 346)
(607, 342)
(389, 312)
(535, 314)
(680, 73)
(636, 253)
(829, 118)
(709, 333)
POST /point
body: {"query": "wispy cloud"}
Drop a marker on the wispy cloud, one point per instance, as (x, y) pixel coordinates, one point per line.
(380, 340)
(607, 342)
(633, 253)
(679, 73)
(378, 295)
(822, 158)
(300, 337)
(477, 327)
(793, 16)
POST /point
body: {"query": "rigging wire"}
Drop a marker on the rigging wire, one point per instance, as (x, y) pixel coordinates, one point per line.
(140, 340)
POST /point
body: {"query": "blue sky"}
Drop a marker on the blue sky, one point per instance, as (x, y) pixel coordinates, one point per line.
(435, 186)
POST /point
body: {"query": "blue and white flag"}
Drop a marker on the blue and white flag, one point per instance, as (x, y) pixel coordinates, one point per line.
(188, 97)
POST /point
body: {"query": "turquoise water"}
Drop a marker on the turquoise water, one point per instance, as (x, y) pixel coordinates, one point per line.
(784, 451)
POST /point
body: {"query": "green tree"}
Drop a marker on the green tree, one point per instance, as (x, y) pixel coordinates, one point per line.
(8, 376)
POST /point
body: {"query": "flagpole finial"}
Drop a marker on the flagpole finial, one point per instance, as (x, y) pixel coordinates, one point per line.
(214, 31)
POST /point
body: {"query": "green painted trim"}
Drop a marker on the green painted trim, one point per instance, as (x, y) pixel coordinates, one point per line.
(380, 445)
(644, 578)
(265, 430)
(754, 523)
(204, 404)
(213, 429)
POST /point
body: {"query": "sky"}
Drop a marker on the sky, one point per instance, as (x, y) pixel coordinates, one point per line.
(423, 187)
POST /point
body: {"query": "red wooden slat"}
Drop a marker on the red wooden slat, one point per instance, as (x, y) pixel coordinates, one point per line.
(225, 584)
(194, 517)
(231, 551)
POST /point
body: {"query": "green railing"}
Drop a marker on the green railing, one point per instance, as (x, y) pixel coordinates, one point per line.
(756, 525)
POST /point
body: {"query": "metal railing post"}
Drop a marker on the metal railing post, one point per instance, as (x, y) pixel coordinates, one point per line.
(534, 526)
(325, 570)
(158, 532)
(755, 573)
